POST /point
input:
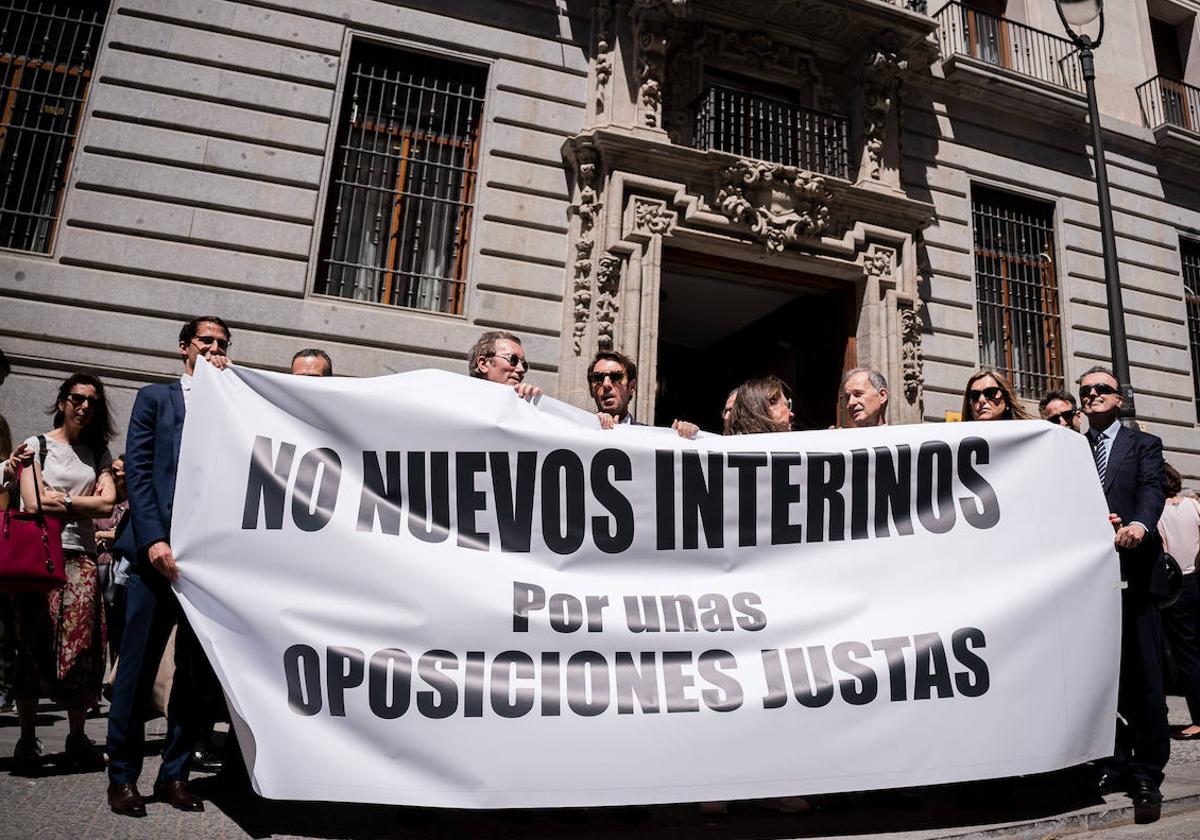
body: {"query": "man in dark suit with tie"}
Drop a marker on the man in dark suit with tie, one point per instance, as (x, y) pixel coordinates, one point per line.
(1130, 465)
(151, 460)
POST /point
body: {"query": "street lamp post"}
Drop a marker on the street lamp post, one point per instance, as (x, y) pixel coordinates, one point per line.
(1081, 13)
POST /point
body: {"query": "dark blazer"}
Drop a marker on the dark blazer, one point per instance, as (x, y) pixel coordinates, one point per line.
(1134, 485)
(151, 458)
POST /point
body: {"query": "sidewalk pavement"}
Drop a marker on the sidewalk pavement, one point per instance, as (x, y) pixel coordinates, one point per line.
(59, 804)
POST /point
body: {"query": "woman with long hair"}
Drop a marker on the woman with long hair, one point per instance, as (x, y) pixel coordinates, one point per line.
(761, 405)
(988, 395)
(60, 634)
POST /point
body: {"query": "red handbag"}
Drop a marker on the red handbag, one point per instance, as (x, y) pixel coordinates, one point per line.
(31, 552)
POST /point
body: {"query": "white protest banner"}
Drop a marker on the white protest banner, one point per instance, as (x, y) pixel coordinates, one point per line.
(421, 589)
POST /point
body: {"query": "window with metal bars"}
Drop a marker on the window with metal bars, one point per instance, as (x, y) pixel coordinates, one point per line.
(1189, 251)
(403, 186)
(47, 51)
(1017, 290)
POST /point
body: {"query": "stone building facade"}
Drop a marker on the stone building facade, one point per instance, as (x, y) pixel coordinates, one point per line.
(718, 190)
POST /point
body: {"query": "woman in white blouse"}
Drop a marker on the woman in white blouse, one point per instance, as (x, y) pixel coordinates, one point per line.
(60, 634)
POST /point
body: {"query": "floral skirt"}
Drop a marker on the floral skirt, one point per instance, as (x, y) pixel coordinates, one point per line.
(61, 639)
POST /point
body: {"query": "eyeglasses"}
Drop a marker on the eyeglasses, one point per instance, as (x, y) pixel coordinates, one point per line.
(992, 394)
(79, 399)
(1100, 390)
(598, 377)
(512, 358)
(1065, 418)
(207, 340)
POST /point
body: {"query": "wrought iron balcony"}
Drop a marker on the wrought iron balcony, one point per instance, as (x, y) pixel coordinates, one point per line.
(751, 126)
(1170, 102)
(963, 30)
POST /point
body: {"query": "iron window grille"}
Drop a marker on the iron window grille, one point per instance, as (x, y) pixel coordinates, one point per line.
(1017, 290)
(47, 52)
(1189, 252)
(402, 196)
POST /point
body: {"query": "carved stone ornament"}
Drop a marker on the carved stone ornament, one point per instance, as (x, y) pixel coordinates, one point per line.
(819, 18)
(880, 262)
(587, 208)
(685, 69)
(652, 216)
(603, 60)
(912, 360)
(881, 84)
(781, 204)
(652, 55)
(665, 8)
(608, 286)
(759, 49)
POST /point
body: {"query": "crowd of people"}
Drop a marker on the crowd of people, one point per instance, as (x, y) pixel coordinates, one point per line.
(109, 628)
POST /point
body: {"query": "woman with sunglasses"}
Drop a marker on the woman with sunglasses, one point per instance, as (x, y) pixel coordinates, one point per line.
(60, 634)
(989, 396)
(760, 405)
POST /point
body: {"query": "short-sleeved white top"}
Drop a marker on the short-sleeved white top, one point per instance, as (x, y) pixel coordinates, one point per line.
(72, 469)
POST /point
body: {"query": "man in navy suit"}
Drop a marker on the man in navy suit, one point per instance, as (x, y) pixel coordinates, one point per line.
(151, 460)
(1130, 465)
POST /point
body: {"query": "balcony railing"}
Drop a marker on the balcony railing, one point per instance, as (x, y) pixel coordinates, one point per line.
(1005, 43)
(1167, 101)
(746, 125)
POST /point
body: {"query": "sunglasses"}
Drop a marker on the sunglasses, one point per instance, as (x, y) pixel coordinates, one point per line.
(597, 377)
(79, 399)
(512, 358)
(1065, 418)
(1100, 390)
(992, 394)
(206, 340)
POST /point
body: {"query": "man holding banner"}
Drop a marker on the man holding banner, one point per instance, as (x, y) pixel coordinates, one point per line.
(151, 461)
(499, 357)
(1130, 464)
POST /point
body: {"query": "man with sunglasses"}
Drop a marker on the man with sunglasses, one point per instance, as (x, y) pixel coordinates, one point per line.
(612, 381)
(499, 357)
(1130, 466)
(1059, 407)
(151, 609)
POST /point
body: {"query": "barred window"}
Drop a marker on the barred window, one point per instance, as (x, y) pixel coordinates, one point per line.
(47, 51)
(1017, 290)
(404, 179)
(1190, 252)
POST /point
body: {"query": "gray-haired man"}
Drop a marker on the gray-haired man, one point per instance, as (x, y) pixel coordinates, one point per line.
(865, 393)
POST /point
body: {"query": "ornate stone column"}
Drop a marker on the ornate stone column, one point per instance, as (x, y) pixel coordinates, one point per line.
(890, 331)
(651, 20)
(882, 70)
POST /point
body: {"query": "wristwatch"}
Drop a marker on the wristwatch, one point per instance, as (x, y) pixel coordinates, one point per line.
(69, 502)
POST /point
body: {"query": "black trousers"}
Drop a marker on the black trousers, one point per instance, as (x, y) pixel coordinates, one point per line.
(1144, 738)
(1181, 621)
(151, 610)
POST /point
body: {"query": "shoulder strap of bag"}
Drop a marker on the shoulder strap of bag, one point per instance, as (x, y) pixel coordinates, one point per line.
(37, 490)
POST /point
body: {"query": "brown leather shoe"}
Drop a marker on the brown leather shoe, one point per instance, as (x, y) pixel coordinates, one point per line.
(177, 795)
(125, 800)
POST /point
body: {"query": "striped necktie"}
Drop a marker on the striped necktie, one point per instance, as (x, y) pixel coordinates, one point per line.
(1101, 457)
